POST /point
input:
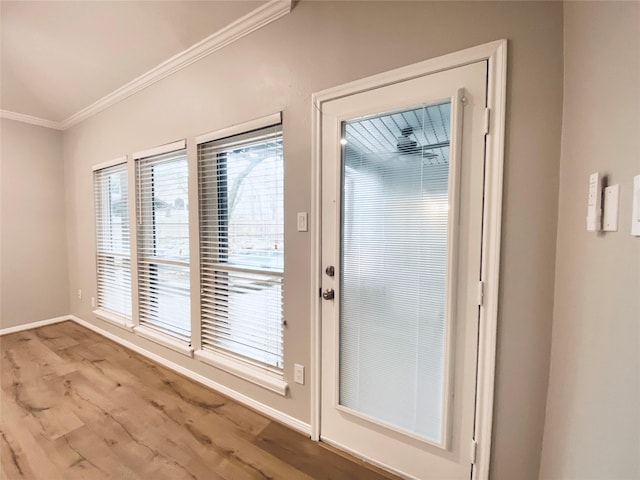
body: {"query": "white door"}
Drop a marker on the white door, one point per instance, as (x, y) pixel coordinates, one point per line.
(402, 199)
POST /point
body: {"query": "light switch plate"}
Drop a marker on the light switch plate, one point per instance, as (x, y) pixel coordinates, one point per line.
(298, 373)
(635, 214)
(594, 203)
(611, 204)
(302, 222)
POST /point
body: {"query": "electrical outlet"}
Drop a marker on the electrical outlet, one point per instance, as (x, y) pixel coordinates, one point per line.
(298, 374)
(79, 294)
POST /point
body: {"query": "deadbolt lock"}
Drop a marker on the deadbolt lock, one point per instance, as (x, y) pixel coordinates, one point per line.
(328, 294)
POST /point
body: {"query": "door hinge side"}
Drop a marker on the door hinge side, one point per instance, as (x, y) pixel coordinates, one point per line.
(480, 293)
(487, 120)
(473, 451)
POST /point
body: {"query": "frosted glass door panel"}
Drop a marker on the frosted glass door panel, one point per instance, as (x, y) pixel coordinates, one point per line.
(395, 209)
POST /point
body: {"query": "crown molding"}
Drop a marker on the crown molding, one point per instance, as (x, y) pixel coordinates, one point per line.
(21, 117)
(258, 18)
(254, 20)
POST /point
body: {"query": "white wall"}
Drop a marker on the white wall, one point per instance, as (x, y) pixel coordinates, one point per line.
(592, 428)
(33, 270)
(323, 44)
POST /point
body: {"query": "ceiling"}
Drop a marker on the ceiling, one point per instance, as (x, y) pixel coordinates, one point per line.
(59, 57)
(380, 142)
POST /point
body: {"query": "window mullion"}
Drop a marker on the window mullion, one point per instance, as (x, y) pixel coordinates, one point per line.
(194, 251)
(134, 226)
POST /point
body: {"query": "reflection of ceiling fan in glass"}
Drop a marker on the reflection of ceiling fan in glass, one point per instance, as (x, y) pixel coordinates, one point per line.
(407, 146)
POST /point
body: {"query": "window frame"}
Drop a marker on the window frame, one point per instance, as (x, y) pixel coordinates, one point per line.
(233, 363)
(111, 316)
(146, 330)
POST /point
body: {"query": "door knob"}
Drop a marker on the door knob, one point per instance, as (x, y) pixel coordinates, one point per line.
(330, 271)
(328, 294)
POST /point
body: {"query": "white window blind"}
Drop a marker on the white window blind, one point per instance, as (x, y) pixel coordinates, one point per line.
(163, 243)
(241, 246)
(395, 217)
(113, 257)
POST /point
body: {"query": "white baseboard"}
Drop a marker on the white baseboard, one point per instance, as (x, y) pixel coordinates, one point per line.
(29, 326)
(266, 410)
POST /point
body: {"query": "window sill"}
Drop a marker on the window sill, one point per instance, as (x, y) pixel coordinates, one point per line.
(242, 370)
(114, 319)
(164, 340)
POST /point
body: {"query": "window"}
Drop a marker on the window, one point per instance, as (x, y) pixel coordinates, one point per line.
(163, 243)
(240, 180)
(113, 257)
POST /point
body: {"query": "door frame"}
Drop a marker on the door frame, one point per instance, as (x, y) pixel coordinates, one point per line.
(495, 53)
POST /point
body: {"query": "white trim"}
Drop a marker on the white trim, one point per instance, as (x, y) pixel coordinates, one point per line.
(451, 297)
(315, 225)
(242, 370)
(255, 124)
(251, 22)
(193, 195)
(114, 319)
(492, 226)
(110, 163)
(232, 268)
(159, 150)
(266, 410)
(147, 261)
(40, 122)
(133, 240)
(29, 326)
(496, 54)
(416, 70)
(163, 339)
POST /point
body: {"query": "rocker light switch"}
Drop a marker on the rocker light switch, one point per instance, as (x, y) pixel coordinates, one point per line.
(635, 214)
(611, 201)
(302, 222)
(594, 203)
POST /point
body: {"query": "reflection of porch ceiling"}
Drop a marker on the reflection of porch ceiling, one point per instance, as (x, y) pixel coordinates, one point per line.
(422, 131)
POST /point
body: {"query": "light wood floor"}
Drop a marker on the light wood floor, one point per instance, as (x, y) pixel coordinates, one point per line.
(75, 405)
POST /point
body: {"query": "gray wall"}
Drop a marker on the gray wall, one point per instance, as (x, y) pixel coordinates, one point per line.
(323, 44)
(592, 425)
(33, 270)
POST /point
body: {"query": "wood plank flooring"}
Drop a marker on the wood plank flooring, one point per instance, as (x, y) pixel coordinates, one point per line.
(75, 405)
